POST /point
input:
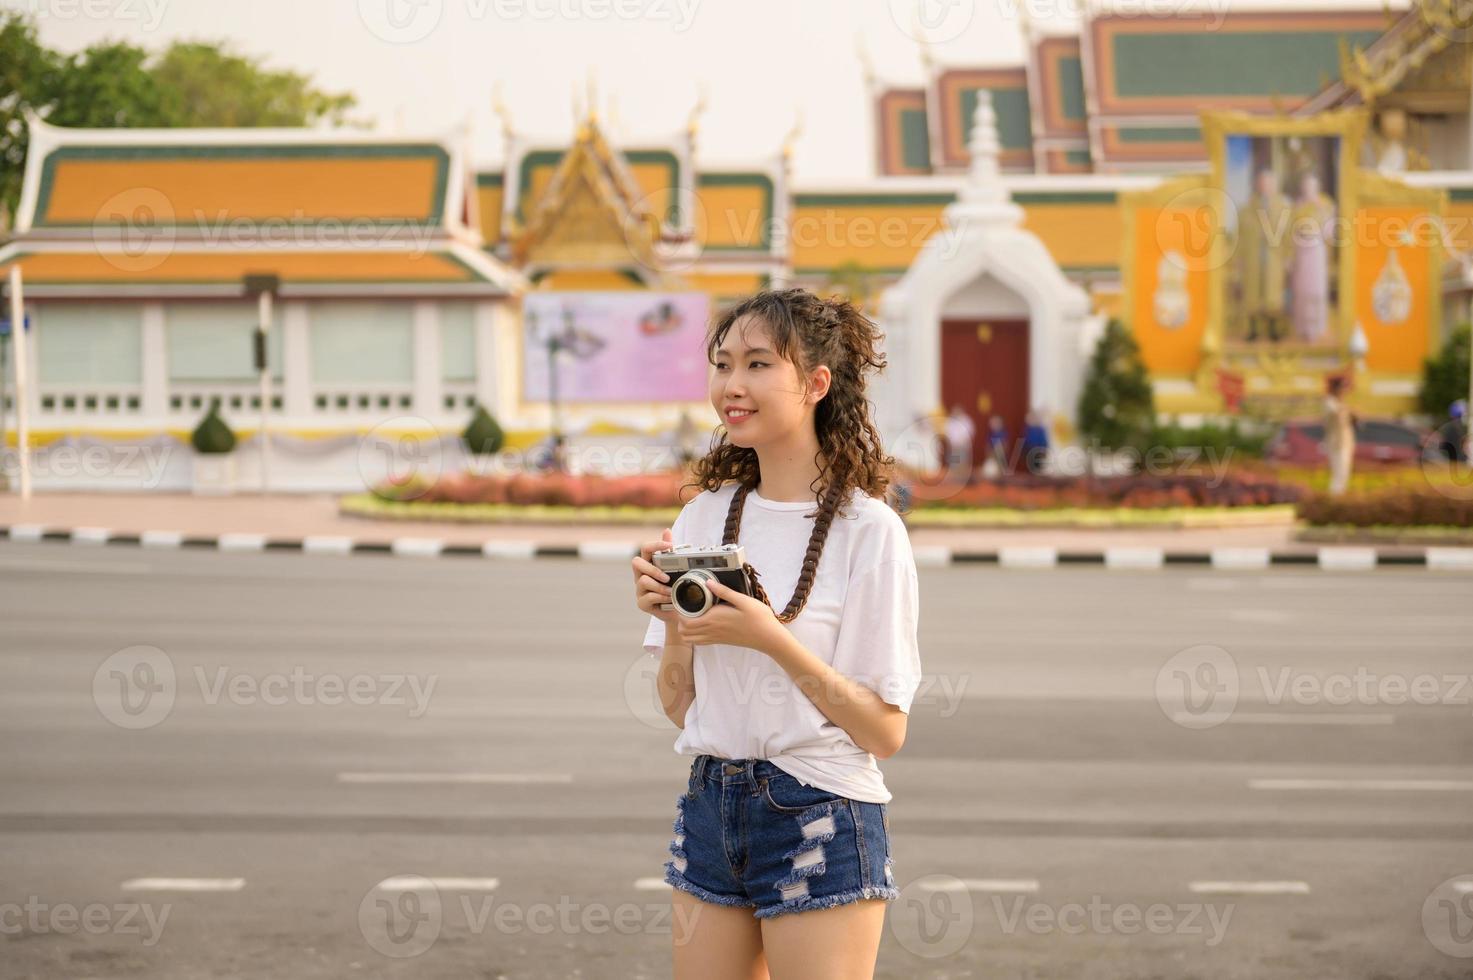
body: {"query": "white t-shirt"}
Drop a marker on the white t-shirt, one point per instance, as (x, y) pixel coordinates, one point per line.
(861, 618)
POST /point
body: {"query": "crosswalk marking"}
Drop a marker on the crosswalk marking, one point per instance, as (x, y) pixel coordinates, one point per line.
(183, 884)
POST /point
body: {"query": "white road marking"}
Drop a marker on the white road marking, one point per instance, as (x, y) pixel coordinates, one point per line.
(509, 549)
(1020, 557)
(417, 547)
(607, 550)
(1013, 885)
(1294, 718)
(241, 542)
(184, 884)
(90, 535)
(1240, 558)
(327, 544)
(26, 532)
(1397, 785)
(161, 539)
(1249, 888)
(1457, 559)
(1348, 559)
(498, 778)
(931, 555)
(411, 882)
(1134, 558)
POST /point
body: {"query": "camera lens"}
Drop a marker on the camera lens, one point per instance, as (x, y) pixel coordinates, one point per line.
(690, 594)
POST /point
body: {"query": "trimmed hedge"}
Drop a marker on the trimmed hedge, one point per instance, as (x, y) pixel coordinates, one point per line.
(1396, 508)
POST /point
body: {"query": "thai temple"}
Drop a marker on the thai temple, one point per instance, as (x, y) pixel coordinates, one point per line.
(1263, 195)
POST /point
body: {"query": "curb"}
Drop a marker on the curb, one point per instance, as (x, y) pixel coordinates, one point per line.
(1329, 558)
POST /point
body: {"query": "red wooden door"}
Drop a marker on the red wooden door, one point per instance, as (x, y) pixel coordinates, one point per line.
(984, 368)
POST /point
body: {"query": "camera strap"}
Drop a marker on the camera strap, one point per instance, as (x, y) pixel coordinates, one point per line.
(811, 553)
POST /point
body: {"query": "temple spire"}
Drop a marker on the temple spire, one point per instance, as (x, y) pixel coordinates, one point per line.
(985, 196)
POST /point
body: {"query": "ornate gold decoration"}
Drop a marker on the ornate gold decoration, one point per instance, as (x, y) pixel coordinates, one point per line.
(1349, 126)
(589, 214)
(984, 332)
(984, 402)
(1421, 33)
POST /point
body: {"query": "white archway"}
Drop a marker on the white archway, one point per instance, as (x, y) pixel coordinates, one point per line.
(982, 240)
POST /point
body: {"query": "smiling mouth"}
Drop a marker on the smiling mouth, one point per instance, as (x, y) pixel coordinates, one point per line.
(739, 416)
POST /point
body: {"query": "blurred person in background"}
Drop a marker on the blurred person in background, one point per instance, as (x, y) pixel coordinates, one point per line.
(960, 431)
(1340, 424)
(1451, 440)
(1035, 443)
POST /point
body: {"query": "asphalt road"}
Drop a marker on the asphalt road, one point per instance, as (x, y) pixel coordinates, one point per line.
(217, 764)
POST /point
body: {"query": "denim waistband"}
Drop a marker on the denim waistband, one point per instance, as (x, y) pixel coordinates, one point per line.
(732, 770)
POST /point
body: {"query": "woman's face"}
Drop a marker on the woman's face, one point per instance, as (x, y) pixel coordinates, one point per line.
(750, 376)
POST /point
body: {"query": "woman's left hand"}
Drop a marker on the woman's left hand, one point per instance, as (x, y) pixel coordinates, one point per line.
(738, 620)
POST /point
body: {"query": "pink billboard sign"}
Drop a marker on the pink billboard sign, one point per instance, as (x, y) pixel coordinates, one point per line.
(615, 347)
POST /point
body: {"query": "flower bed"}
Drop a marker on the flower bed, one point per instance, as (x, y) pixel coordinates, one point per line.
(1182, 490)
(548, 489)
(1018, 493)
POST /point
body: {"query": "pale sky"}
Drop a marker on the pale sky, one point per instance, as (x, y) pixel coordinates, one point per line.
(425, 65)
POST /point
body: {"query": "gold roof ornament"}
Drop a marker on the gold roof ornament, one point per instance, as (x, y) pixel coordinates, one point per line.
(1427, 30)
(791, 139)
(498, 105)
(592, 211)
(692, 124)
(866, 63)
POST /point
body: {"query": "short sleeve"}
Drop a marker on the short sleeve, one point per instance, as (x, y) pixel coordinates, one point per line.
(654, 634)
(878, 643)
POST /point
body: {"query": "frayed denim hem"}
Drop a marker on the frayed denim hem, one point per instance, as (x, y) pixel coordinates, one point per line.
(808, 902)
(675, 880)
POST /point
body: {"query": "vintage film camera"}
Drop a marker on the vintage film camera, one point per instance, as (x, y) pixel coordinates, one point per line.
(691, 566)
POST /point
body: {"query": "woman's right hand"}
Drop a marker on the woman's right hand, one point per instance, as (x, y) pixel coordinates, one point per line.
(650, 588)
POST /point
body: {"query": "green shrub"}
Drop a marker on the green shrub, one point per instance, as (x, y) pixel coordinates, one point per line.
(1116, 407)
(1445, 377)
(483, 436)
(212, 435)
(1210, 436)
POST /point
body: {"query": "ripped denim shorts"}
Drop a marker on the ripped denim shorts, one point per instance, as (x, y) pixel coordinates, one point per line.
(748, 834)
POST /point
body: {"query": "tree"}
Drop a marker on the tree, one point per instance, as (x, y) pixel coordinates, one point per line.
(116, 84)
(1116, 407)
(205, 85)
(26, 70)
(1445, 377)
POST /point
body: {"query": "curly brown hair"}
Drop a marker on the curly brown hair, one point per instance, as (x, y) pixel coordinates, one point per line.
(809, 331)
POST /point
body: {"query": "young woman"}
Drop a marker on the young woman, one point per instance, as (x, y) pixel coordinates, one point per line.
(781, 855)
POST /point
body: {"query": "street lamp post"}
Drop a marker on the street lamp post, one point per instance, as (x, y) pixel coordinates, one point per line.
(264, 289)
